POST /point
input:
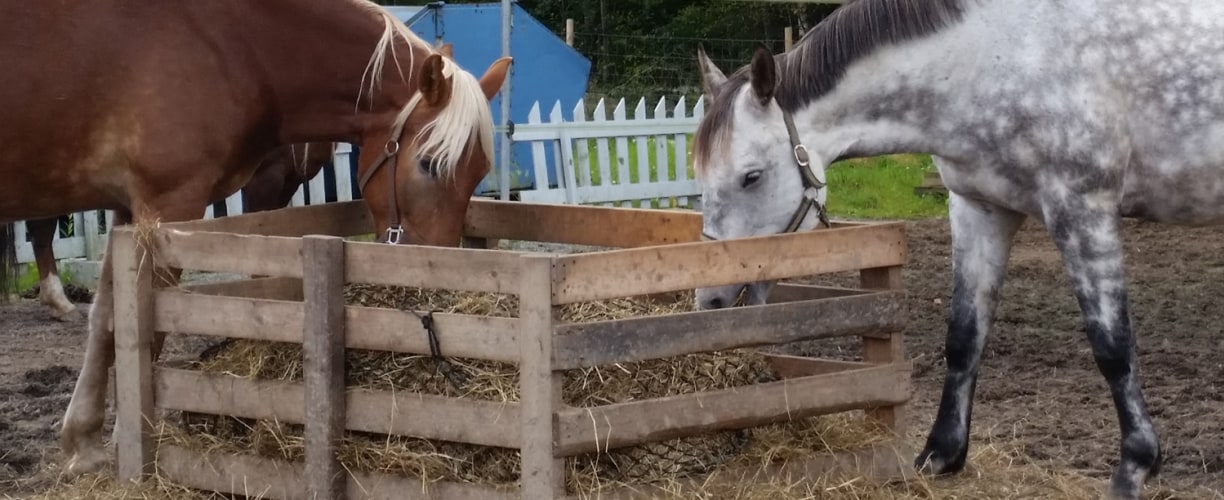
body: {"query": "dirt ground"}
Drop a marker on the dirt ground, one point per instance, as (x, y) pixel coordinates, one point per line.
(1039, 385)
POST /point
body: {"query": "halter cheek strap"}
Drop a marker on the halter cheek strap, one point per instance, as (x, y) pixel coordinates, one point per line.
(390, 151)
(811, 185)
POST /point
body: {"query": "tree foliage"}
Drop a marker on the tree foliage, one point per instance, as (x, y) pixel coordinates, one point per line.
(649, 47)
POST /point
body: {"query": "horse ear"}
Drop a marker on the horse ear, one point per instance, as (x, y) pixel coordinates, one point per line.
(447, 49)
(435, 83)
(711, 77)
(493, 78)
(764, 75)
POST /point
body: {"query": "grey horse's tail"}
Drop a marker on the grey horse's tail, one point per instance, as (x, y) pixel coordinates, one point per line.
(8, 261)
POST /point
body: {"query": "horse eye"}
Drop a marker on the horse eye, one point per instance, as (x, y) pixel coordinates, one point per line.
(751, 178)
(428, 166)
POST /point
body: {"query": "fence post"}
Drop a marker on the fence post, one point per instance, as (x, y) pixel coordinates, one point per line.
(543, 475)
(788, 38)
(569, 32)
(889, 350)
(323, 364)
(133, 316)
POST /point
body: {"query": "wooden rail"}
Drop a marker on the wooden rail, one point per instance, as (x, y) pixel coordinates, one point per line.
(637, 339)
(640, 271)
(384, 412)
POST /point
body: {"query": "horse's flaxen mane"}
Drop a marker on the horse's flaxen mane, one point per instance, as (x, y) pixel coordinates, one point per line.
(819, 60)
(467, 115)
(386, 43)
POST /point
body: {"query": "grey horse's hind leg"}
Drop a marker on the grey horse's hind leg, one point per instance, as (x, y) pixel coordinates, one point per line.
(1089, 240)
(982, 236)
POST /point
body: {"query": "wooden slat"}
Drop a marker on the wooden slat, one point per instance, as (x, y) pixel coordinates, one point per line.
(889, 349)
(323, 365)
(799, 366)
(400, 413)
(582, 225)
(583, 430)
(543, 475)
(133, 302)
(256, 319)
(275, 256)
(792, 292)
(598, 343)
(879, 464)
(459, 335)
(464, 269)
(337, 219)
(641, 271)
(271, 479)
(378, 329)
(257, 288)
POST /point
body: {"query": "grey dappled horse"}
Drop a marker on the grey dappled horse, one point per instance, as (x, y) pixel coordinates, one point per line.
(1076, 113)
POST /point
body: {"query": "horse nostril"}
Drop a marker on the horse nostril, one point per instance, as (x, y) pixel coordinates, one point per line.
(716, 303)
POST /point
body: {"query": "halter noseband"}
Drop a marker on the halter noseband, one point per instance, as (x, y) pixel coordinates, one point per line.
(390, 150)
(811, 185)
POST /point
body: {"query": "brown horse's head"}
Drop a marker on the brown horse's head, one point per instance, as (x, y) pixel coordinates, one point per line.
(418, 179)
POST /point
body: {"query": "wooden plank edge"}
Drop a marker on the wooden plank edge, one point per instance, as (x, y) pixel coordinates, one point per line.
(252, 288)
(585, 430)
(485, 218)
(347, 218)
(258, 477)
(655, 269)
(597, 343)
(464, 269)
(787, 366)
(368, 328)
(880, 463)
(383, 412)
(793, 292)
(277, 256)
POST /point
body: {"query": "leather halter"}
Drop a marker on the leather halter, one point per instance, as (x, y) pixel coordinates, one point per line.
(390, 151)
(811, 185)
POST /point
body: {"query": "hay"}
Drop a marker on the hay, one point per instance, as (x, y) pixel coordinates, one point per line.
(996, 471)
(498, 382)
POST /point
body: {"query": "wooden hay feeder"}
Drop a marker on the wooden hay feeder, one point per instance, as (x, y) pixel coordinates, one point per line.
(298, 299)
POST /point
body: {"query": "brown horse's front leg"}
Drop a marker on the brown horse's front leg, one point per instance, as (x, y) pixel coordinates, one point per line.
(80, 436)
(81, 433)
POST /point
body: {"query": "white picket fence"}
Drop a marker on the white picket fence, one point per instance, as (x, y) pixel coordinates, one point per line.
(619, 159)
(638, 160)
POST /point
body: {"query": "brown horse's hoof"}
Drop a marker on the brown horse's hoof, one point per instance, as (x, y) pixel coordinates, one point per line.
(68, 316)
(88, 460)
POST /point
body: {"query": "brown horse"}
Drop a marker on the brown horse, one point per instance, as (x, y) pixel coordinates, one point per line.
(276, 180)
(153, 109)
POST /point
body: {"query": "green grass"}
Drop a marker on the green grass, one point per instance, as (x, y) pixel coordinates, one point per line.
(635, 173)
(882, 188)
(868, 188)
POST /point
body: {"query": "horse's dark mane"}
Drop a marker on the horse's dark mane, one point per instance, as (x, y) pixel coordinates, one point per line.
(819, 59)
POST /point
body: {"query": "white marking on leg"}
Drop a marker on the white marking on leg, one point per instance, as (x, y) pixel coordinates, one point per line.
(51, 293)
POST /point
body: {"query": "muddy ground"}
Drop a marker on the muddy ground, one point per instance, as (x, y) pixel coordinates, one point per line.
(1039, 385)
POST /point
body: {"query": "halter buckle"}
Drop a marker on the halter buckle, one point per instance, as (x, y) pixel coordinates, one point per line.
(394, 234)
(801, 155)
